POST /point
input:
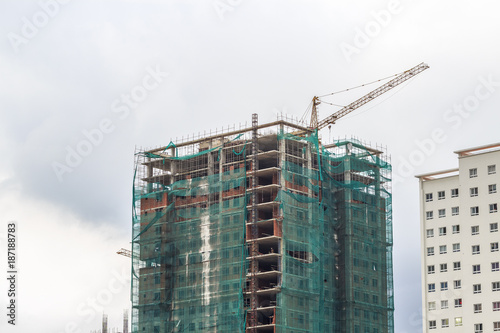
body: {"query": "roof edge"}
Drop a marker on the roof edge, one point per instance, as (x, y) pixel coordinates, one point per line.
(429, 176)
(469, 151)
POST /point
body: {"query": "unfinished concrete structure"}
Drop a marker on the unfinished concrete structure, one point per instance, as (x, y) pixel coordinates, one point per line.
(262, 229)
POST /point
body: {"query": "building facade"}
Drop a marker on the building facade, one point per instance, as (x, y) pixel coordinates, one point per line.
(459, 237)
(262, 229)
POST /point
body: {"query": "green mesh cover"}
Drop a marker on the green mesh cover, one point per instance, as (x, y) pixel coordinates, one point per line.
(190, 254)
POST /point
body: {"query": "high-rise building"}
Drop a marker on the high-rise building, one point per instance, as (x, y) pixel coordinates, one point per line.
(459, 233)
(262, 229)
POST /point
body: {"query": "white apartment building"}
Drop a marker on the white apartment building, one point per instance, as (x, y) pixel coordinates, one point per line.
(460, 244)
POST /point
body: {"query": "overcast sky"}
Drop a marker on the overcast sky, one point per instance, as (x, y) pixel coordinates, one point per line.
(69, 127)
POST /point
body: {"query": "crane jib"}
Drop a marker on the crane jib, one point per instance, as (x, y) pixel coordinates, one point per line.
(370, 96)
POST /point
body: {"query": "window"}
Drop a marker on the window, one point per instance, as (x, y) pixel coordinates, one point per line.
(478, 328)
(430, 269)
(496, 306)
(473, 173)
(442, 213)
(495, 286)
(428, 197)
(457, 266)
(456, 229)
(457, 284)
(431, 306)
(431, 287)
(473, 192)
(441, 195)
(445, 323)
(442, 231)
(492, 169)
(478, 308)
(444, 304)
(496, 326)
(476, 288)
(456, 247)
(443, 268)
(475, 230)
(454, 192)
(495, 266)
(494, 247)
(476, 249)
(474, 211)
(442, 249)
(444, 286)
(432, 324)
(492, 188)
(454, 211)
(493, 227)
(476, 269)
(458, 302)
(493, 208)
(430, 251)
(429, 215)
(430, 233)
(458, 321)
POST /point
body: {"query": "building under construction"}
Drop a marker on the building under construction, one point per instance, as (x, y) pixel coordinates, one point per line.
(262, 229)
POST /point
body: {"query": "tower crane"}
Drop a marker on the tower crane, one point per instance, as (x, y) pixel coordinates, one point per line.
(400, 78)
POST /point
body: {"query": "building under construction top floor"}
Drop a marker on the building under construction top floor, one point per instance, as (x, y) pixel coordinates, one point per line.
(262, 229)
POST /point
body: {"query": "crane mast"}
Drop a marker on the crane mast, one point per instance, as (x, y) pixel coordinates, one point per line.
(406, 75)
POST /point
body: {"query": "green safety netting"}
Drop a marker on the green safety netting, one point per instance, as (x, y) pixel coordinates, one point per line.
(190, 254)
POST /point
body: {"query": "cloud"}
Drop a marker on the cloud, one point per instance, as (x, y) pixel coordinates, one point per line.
(63, 264)
(264, 56)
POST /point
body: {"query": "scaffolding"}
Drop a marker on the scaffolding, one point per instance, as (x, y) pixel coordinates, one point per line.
(125, 321)
(104, 323)
(258, 230)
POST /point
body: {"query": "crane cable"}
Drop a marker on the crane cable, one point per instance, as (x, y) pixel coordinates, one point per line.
(304, 116)
(375, 105)
(340, 91)
(340, 106)
(309, 107)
